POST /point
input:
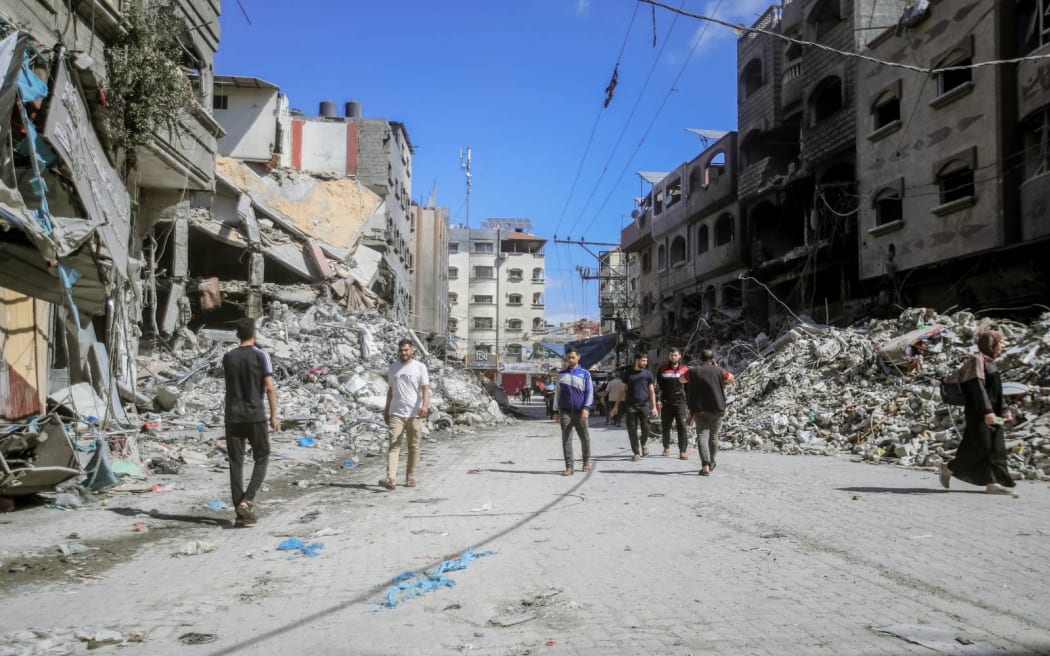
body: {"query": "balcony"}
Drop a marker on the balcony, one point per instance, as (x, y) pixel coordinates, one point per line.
(1035, 203)
(677, 276)
(791, 89)
(1032, 91)
(183, 158)
(537, 306)
(539, 281)
(769, 21)
(376, 238)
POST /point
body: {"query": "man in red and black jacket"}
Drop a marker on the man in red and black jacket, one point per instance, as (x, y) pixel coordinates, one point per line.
(672, 403)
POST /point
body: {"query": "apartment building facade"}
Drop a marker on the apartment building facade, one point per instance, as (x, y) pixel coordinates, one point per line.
(496, 283)
(861, 184)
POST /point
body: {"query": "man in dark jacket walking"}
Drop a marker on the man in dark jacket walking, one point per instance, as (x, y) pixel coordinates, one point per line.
(672, 404)
(572, 408)
(705, 395)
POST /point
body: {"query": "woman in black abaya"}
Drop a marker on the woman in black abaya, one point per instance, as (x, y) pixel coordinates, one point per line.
(981, 456)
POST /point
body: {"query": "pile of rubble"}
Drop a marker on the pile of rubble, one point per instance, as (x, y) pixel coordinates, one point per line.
(873, 390)
(330, 369)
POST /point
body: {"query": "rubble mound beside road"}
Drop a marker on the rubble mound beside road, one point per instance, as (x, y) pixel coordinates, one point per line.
(331, 376)
(872, 390)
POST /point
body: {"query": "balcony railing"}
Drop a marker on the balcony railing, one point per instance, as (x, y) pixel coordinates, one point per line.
(539, 281)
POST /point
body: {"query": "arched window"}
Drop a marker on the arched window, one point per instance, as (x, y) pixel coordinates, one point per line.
(826, 98)
(703, 239)
(514, 299)
(888, 206)
(824, 17)
(731, 295)
(537, 298)
(537, 324)
(716, 166)
(453, 298)
(514, 324)
(453, 324)
(697, 179)
(453, 273)
(647, 262)
(537, 275)
(751, 78)
(886, 109)
(955, 181)
(514, 349)
(948, 80)
(724, 230)
(515, 275)
(677, 250)
(661, 258)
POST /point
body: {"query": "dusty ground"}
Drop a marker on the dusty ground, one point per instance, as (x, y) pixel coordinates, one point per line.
(41, 544)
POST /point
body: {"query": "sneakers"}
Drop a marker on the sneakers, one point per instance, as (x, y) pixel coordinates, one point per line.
(944, 475)
(995, 488)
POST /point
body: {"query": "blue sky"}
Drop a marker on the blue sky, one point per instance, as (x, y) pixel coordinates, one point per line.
(522, 83)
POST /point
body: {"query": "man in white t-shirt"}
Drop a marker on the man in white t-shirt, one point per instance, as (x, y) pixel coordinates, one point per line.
(407, 403)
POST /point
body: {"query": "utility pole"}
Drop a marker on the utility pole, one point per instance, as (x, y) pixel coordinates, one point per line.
(464, 163)
(620, 277)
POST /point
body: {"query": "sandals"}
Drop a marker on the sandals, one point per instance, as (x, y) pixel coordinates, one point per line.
(568, 472)
(245, 514)
(683, 456)
(645, 452)
(666, 453)
(387, 483)
(586, 465)
(636, 457)
(410, 482)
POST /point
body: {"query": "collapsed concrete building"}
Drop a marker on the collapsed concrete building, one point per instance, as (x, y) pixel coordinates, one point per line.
(74, 208)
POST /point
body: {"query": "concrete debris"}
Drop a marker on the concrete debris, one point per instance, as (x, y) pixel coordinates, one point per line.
(872, 390)
(331, 386)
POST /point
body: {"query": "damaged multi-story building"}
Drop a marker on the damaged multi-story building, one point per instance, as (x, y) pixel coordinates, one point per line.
(81, 191)
(374, 154)
(911, 175)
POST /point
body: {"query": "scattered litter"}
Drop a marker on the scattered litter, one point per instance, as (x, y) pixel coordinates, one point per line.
(197, 638)
(161, 488)
(409, 585)
(70, 548)
(944, 640)
(295, 544)
(349, 464)
(474, 471)
(195, 548)
(484, 507)
(216, 504)
(140, 527)
(306, 440)
(327, 531)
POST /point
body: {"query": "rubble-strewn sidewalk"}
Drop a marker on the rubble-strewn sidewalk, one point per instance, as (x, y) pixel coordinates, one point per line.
(873, 390)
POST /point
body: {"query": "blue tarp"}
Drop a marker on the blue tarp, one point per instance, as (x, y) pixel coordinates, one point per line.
(591, 350)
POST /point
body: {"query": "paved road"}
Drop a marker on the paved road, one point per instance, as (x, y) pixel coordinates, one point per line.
(770, 555)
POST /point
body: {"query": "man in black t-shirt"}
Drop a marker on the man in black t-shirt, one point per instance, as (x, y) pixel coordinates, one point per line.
(640, 397)
(249, 375)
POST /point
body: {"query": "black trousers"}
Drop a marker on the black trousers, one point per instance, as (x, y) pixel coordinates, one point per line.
(637, 425)
(677, 413)
(255, 434)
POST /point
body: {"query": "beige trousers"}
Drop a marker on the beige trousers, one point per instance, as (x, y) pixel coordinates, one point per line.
(399, 426)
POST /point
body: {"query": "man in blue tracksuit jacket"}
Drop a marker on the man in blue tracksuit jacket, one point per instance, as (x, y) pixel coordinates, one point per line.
(572, 403)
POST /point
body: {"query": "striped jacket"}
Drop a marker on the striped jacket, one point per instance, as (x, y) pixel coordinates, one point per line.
(575, 391)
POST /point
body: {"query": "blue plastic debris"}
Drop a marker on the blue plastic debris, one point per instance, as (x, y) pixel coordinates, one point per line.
(216, 504)
(479, 634)
(306, 440)
(409, 585)
(295, 544)
(349, 464)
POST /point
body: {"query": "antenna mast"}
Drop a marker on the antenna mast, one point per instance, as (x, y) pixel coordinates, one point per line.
(464, 163)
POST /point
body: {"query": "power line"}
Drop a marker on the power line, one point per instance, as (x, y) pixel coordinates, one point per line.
(594, 129)
(740, 29)
(627, 122)
(656, 115)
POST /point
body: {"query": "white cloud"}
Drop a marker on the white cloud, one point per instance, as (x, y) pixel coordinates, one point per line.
(583, 8)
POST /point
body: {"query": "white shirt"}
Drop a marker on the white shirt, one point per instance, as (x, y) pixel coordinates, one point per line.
(406, 382)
